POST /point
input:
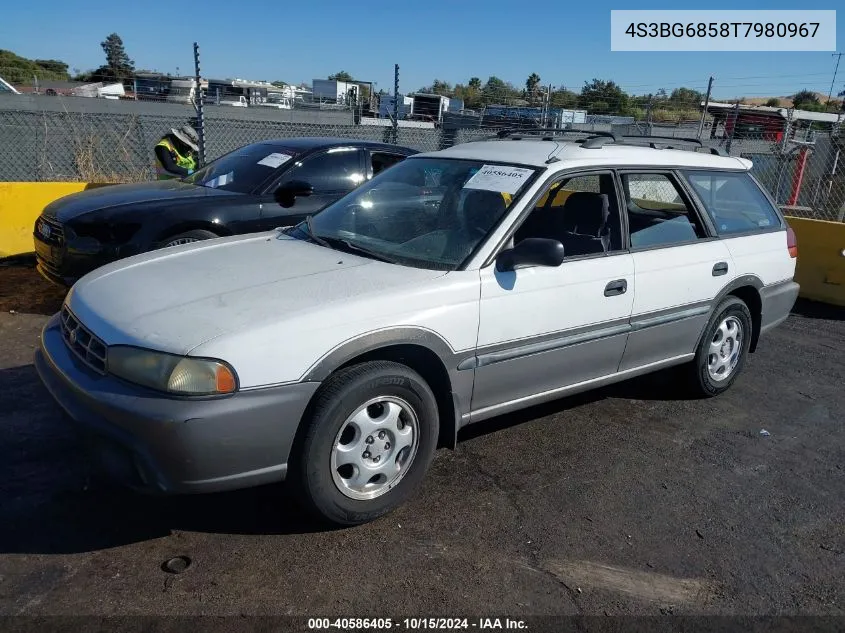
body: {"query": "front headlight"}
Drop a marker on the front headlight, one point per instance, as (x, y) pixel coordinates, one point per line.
(171, 373)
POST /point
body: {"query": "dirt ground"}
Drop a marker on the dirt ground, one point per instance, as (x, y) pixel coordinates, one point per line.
(624, 501)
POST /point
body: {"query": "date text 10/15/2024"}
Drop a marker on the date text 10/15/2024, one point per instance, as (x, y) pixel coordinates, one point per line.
(415, 624)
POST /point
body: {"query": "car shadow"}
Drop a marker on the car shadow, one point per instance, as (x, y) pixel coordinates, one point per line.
(23, 290)
(818, 310)
(52, 501)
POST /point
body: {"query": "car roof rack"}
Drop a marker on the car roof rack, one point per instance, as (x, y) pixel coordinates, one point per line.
(546, 134)
(598, 139)
(685, 140)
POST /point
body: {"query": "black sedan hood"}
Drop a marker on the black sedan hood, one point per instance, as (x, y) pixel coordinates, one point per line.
(113, 196)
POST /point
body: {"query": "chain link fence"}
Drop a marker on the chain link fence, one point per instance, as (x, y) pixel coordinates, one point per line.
(55, 138)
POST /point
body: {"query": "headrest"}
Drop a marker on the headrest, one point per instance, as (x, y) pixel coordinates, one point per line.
(587, 212)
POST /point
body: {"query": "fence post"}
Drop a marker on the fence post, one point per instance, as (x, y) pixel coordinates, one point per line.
(733, 128)
(706, 104)
(648, 118)
(395, 104)
(198, 102)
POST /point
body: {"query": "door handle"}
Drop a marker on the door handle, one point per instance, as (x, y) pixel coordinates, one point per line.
(618, 287)
(720, 268)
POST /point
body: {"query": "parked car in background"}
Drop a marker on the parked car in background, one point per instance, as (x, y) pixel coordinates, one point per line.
(339, 353)
(238, 193)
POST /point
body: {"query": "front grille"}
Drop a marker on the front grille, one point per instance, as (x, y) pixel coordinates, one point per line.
(82, 342)
(50, 231)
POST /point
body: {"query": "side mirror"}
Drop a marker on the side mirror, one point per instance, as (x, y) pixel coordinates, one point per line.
(532, 251)
(287, 194)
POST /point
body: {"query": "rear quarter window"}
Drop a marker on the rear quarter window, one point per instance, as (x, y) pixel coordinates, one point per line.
(734, 201)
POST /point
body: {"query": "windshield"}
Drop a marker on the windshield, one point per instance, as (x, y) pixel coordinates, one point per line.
(244, 169)
(422, 212)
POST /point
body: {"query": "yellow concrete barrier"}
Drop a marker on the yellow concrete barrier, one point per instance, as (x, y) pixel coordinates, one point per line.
(821, 259)
(20, 205)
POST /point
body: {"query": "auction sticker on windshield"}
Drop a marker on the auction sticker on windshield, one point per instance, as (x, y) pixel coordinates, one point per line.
(499, 178)
(274, 160)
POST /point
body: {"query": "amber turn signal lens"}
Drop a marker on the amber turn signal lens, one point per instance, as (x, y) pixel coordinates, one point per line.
(225, 380)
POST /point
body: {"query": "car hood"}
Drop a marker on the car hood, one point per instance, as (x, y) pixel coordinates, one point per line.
(177, 298)
(113, 196)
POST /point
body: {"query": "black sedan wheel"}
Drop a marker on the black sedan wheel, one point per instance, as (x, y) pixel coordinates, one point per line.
(188, 237)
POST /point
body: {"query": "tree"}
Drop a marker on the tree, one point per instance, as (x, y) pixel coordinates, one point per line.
(53, 66)
(774, 102)
(439, 87)
(474, 83)
(498, 91)
(806, 100)
(686, 97)
(20, 70)
(603, 97)
(532, 87)
(279, 83)
(566, 99)
(341, 76)
(118, 66)
(805, 96)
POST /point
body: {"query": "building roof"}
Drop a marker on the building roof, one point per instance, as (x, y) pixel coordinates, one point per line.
(797, 115)
(569, 154)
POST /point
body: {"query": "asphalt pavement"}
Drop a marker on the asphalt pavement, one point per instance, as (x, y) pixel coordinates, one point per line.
(628, 500)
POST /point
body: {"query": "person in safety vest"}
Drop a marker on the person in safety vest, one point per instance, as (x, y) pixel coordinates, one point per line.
(176, 153)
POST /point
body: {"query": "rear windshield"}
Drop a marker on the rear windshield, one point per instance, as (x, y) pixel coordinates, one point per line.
(734, 201)
(243, 170)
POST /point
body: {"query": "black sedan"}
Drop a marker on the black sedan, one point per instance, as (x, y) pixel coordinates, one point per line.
(255, 188)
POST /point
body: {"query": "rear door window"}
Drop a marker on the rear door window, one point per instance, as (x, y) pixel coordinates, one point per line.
(659, 214)
(734, 201)
(382, 160)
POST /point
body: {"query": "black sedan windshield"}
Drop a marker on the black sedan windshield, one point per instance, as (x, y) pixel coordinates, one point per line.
(423, 212)
(244, 169)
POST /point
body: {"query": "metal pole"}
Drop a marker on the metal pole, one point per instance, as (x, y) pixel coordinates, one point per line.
(704, 111)
(396, 103)
(733, 128)
(198, 100)
(838, 57)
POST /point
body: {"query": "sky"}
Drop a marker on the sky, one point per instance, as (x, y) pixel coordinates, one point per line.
(297, 41)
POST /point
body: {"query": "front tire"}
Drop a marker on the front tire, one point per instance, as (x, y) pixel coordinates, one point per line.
(723, 350)
(370, 439)
(188, 237)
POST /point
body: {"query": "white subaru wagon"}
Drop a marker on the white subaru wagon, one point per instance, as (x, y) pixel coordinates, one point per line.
(458, 285)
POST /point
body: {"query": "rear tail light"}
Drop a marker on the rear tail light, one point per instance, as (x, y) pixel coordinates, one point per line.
(791, 242)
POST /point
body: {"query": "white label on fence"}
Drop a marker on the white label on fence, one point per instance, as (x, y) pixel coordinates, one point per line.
(274, 160)
(499, 178)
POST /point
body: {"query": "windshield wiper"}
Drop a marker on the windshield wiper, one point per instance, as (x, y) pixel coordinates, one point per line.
(354, 248)
(310, 232)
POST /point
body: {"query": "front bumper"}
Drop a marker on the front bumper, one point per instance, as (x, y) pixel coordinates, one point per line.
(63, 257)
(65, 263)
(159, 444)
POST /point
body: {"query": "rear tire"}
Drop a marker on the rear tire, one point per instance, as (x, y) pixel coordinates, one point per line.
(188, 237)
(723, 350)
(368, 443)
